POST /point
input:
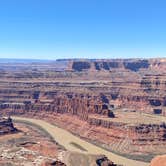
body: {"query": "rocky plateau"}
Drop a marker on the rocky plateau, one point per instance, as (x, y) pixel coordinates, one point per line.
(116, 103)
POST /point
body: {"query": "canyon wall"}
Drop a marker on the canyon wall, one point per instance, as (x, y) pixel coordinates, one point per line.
(93, 91)
(83, 87)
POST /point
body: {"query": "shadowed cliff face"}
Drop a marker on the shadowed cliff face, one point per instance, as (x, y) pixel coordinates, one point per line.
(6, 126)
(79, 66)
(135, 65)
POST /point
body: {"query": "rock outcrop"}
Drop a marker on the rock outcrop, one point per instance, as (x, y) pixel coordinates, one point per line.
(104, 161)
(52, 163)
(6, 126)
(159, 161)
(81, 159)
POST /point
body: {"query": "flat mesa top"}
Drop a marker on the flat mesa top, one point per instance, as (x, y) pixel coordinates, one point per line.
(131, 118)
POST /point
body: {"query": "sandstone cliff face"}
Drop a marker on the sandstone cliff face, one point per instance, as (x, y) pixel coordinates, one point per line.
(128, 138)
(59, 102)
(83, 88)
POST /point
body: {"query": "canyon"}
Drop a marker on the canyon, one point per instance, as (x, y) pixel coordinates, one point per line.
(114, 103)
(32, 145)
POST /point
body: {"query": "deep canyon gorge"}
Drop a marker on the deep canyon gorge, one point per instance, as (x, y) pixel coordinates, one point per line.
(116, 104)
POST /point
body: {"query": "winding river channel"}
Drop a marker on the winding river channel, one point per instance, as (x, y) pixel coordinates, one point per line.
(68, 140)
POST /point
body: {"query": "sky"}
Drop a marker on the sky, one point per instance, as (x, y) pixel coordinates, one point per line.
(54, 29)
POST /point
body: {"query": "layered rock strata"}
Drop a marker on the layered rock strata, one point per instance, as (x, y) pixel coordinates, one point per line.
(93, 91)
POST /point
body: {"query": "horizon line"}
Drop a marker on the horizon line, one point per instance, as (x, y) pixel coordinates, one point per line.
(65, 59)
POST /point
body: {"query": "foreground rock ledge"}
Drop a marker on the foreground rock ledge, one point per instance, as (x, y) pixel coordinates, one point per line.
(159, 161)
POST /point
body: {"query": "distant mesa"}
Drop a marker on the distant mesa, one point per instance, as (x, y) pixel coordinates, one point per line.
(128, 64)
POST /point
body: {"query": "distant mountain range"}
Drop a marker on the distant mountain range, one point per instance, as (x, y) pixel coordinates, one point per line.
(8, 60)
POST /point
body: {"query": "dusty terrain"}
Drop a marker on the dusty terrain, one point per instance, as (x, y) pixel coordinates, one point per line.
(28, 147)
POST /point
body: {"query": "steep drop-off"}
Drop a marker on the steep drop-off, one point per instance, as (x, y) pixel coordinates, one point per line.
(93, 91)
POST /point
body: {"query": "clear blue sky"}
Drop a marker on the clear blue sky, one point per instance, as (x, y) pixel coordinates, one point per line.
(51, 29)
